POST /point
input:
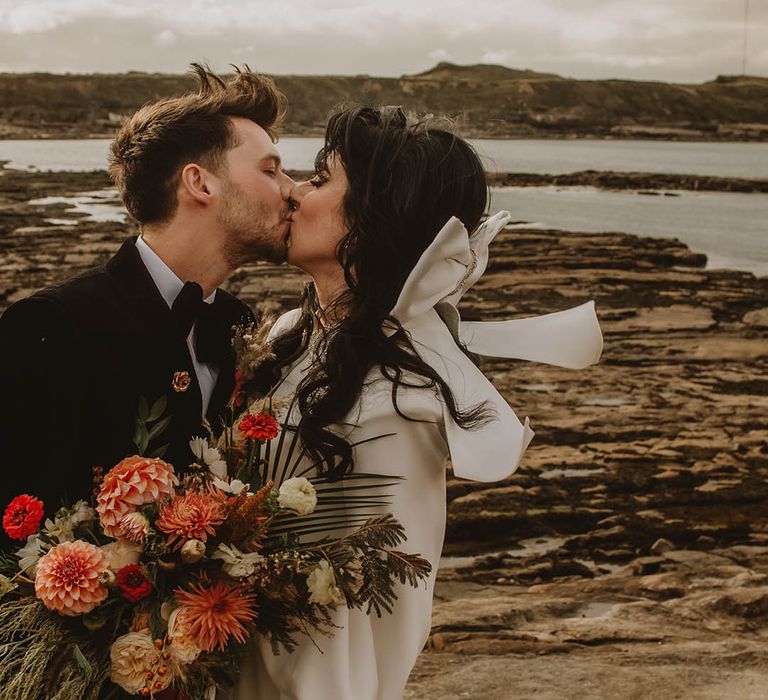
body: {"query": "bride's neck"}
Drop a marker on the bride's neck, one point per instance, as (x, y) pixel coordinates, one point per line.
(328, 288)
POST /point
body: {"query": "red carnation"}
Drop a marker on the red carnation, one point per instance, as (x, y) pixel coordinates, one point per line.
(22, 516)
(134, 585)
(261, 427)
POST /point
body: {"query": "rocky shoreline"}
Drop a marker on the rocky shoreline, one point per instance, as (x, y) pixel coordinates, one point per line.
(628, 556)
(644, 183)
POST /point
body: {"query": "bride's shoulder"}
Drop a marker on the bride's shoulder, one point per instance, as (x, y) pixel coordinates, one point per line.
(415, 399)
(284, 323)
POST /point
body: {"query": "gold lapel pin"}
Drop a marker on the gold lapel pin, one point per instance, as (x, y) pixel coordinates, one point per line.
(181, 381)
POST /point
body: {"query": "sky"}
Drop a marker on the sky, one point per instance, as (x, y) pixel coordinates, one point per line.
(687, 41)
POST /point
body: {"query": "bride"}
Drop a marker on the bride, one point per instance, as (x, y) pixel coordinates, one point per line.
(378, 368)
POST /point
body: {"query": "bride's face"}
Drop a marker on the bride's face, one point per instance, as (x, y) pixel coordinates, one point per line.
(318, 222)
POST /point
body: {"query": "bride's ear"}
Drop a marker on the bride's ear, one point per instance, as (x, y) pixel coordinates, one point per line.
(197, 184)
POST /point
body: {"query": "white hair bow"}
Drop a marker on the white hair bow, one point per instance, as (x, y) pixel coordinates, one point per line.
(426, 308)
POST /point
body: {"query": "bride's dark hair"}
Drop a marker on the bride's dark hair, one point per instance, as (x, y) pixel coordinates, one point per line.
(405, 182)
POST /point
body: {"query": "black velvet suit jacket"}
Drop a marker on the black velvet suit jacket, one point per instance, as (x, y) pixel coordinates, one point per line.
(75, 359)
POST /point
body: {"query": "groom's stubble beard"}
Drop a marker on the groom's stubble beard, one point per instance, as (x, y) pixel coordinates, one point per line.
(252, 231)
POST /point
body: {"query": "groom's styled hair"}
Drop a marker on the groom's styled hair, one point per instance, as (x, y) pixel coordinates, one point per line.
(155, 143)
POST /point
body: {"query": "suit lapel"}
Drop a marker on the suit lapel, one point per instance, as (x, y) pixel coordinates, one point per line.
(232, 312)
(142, 300)
(139, 293)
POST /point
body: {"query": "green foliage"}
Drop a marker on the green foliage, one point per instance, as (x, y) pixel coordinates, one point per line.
(150, 425)
(373, 545)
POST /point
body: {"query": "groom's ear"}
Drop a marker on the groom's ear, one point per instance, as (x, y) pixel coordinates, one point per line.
(197, 184)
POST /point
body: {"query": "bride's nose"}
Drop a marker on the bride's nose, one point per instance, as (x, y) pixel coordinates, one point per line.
(298, 191)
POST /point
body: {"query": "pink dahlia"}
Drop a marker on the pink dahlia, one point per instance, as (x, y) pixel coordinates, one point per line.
(68, 578)
(192, 516)
(214, 612)
(131, 484)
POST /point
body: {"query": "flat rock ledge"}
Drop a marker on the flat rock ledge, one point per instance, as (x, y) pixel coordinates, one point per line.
(628, 556)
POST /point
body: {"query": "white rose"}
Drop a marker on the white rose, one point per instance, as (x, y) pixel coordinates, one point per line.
(236, 563)
(183, 650)
(322, 585)
(298, 494)
(134, 656)
(121, 553)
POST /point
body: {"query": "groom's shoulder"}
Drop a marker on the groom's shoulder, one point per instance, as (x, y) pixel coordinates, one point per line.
(58, 299)
(57, 306)
(85, 287)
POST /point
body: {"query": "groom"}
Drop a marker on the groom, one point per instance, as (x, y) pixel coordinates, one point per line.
(201, 175)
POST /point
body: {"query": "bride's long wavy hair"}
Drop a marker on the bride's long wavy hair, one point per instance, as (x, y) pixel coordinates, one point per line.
(405, 182)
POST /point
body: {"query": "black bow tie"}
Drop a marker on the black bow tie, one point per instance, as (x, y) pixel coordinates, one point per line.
(212, 332)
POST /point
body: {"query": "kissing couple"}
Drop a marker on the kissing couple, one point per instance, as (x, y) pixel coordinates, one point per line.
(392, 230)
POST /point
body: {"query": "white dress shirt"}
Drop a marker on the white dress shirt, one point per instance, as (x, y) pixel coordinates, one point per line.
(169, 286)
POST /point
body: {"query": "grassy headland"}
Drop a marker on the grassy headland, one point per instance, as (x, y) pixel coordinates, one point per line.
(486, 100)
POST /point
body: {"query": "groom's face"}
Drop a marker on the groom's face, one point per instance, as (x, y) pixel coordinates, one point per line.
(254, 197)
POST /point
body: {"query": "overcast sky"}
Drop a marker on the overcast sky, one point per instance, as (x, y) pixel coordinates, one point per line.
(671, 40)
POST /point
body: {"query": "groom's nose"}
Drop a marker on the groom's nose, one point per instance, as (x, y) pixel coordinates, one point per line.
(286, 187)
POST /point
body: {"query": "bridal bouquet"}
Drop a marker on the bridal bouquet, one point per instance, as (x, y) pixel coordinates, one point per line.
(162, 581)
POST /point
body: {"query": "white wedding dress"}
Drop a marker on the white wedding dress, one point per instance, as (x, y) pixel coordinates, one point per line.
(370, 657)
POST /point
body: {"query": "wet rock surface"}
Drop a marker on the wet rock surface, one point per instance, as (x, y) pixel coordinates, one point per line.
(645, 183)
(628, 556)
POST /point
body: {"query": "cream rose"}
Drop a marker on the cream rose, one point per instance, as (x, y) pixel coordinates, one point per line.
(133, 657)
(122, 552)
(322, 585)
(183, 650)
(298, 494)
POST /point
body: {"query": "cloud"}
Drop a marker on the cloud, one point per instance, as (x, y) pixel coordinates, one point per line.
(439, 55)
(685, 40)
(165, 38)
(500, 56)
(26, 19)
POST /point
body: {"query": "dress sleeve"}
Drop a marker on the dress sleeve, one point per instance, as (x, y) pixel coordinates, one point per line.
(284, 323)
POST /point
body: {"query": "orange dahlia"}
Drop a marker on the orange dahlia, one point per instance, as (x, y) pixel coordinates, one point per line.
(68, 578)
(192, 516)
(131, 484)
(214, 612)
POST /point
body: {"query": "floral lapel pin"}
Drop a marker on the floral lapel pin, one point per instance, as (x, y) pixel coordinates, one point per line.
(181, 381)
